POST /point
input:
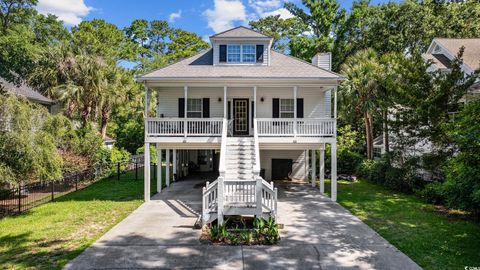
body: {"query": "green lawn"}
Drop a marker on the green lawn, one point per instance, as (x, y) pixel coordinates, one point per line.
(432, 239)
(48, 236)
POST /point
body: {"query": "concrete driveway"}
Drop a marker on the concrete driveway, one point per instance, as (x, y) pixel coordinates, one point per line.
(317, 234)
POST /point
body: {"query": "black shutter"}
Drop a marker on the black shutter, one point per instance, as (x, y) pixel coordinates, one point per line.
(253, 112)
(276, 108)
(299, 107)
(223, 53)
(206, 108)
(181, 107)
(259, 53)
(229, 104)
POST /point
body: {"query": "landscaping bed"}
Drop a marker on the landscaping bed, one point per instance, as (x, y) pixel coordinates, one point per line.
(242, 231)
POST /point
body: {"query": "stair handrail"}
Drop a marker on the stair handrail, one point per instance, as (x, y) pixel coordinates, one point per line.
(256, 167)
(223, 149)
(209, 199)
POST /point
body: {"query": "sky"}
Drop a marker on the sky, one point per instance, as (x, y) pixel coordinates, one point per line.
(204, 17)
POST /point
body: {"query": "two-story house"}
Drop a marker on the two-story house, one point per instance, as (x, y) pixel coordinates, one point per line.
(246, 111)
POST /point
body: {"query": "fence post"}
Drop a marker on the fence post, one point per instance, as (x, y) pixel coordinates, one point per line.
(136, 171)
(118, 170)
(19, 198)
(53, 191)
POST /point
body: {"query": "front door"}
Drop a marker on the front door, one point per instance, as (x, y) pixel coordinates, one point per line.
(240, 117)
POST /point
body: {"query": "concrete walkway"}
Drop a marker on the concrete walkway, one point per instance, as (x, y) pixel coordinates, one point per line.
(317, 234)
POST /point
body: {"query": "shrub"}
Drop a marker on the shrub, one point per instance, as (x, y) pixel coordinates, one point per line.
(348, 161)
(433, 193)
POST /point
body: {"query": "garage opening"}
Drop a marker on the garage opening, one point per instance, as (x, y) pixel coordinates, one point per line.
(281, 169)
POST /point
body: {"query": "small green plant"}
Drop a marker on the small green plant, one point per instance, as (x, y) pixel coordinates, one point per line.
(246, 237)
(222, 232)
(215, 232)
(271, 232)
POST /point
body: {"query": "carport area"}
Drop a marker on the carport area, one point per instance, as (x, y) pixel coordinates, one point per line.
(317, 234)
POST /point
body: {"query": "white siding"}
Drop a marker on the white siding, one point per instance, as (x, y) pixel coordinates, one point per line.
(323, 60)
(317, 102)
(216, 51)
(297, 157)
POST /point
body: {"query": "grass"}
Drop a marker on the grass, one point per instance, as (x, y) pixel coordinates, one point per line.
(432, 238)
(48, 236)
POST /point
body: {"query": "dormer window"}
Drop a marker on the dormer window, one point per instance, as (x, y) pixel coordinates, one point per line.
(241, 53)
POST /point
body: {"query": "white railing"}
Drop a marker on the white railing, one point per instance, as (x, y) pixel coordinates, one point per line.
(157, 127)
(210, 199)
(239, 193)
(269, 197)
(304, 127)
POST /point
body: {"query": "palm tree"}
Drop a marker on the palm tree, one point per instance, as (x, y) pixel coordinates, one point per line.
(361, 89)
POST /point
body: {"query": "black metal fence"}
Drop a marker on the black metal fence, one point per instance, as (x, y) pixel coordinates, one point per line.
(24, 197)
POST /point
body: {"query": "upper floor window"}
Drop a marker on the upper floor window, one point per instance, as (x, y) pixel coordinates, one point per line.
(194, 108)
(287, 108)
(241, 53)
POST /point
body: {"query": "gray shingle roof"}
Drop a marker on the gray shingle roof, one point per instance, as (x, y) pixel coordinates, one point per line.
(25, 91)
(471, 55)
(201, 66)
(240, 31)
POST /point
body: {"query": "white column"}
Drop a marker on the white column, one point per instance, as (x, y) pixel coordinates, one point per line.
(146, 173)
(167, 167)
(174, 164)
(314, 168)
(159, 169)
(335, 102)
(225, 113)
(254, 102)
(185, 94)
(295, 111)
(334, 171)
(146, 102)
(322, 169)
(306, 165)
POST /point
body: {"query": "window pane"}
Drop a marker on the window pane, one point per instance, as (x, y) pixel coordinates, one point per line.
(233, 53)
(194, 108)
(286, 115)
(248, 53)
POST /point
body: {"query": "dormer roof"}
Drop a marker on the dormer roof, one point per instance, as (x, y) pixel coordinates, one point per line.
(240, 32)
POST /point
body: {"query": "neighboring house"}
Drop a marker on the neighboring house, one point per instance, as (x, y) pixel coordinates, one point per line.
(441, 52)
(108, 142)
(247, 112)
(27, 92)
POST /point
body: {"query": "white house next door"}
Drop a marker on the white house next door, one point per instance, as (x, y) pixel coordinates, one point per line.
(240, 117)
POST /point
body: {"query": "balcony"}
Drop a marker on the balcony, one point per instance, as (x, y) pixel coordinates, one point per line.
(267, 127)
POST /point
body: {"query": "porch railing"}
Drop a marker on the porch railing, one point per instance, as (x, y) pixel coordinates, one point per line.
(158, 127)
(304, 127)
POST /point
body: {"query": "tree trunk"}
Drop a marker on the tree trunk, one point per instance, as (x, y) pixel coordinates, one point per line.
(386, 136)
(368, 134)
(105, 119)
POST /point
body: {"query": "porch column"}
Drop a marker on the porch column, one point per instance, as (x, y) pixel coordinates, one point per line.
(146, 102)
(334, 171)
(185, 94)
(159, 168)
(174, 164)
(146, 173)
(335, 102)
(295, 111)
(322, 169)
(225, 113)
(314, 167)
(306, 165)
(254, 103)
(167, 167)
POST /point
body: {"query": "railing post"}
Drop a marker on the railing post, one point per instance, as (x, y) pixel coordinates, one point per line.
(19, 198)
(118, 170)
(258, 197)
(220, 199)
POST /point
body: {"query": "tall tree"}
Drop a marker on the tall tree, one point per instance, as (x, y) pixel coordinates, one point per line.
(281, 30)
(361, 89)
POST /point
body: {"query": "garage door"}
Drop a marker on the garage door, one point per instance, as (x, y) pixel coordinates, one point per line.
(281, 169)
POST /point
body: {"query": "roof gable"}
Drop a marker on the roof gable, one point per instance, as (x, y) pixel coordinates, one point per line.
(25, 91)
(240, 32)
(471, 55)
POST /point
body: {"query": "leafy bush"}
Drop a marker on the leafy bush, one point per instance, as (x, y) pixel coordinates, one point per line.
(433, 193)
(348, 161)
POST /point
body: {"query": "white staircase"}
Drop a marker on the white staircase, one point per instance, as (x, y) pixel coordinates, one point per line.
(240, 158)
(239, 190)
